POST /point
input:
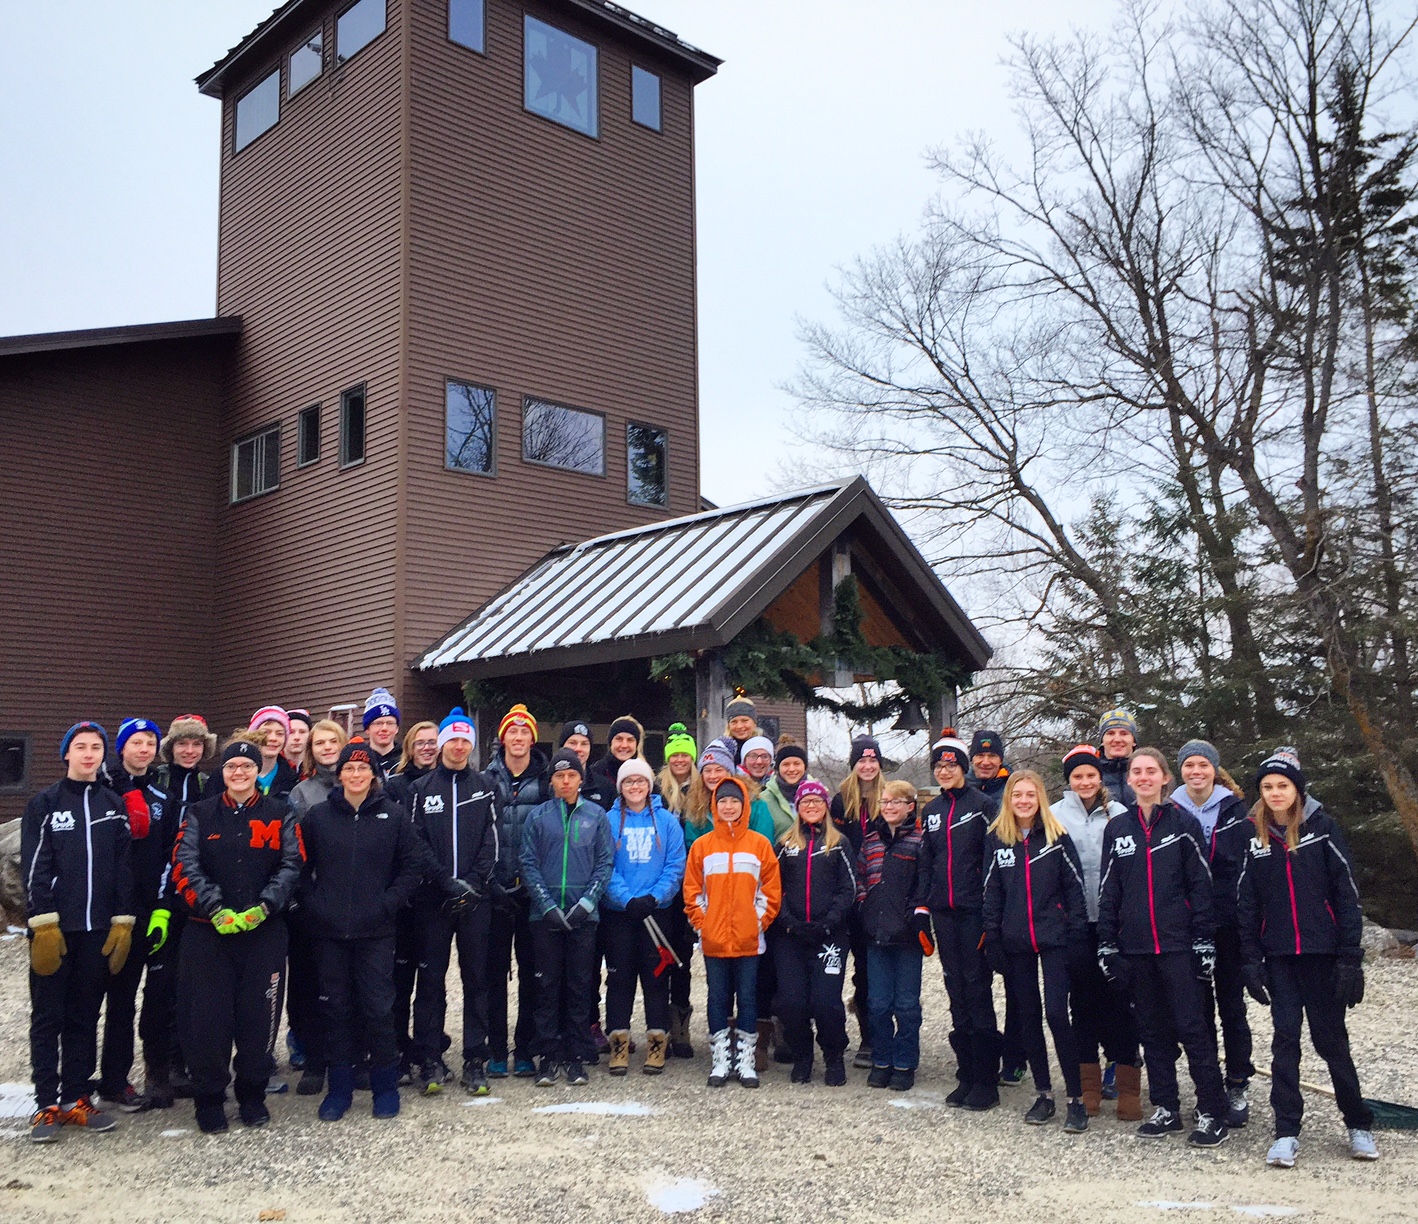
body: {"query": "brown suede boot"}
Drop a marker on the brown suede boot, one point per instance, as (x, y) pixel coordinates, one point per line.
(1090, 1076)
(620, 1052)
(1129, 1081)
(760, 1051)
(657, 1045)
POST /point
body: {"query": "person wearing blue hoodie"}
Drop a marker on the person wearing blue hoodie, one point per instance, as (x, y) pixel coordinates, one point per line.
(646, 876)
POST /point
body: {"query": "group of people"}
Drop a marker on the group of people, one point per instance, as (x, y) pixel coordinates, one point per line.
(335, 876)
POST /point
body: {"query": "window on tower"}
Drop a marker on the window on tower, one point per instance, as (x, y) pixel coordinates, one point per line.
(560, 76)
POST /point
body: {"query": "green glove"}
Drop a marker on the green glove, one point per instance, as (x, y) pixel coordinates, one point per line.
(227, 922)
(253, 918)
(157, 929)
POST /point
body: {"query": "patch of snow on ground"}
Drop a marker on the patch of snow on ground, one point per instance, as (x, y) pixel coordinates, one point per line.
(679, 1196)
(16, 1101)
(629, 1109)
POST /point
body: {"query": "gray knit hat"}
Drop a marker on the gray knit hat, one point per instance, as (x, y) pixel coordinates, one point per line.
(1201, 748)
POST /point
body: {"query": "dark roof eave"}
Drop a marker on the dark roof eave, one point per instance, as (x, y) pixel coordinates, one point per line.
(108, 337)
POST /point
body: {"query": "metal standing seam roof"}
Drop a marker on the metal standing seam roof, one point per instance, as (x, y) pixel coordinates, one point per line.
(686, 582)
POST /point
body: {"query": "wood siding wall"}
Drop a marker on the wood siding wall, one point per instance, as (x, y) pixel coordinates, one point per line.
(107, 537)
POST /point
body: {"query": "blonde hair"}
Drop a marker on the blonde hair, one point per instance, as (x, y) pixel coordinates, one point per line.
(854, 796)
(673, 795)
(1006, 828)
(1260, 817)
(795, 835)
(307, 760)
(899, 789)
(245, 735)
(696, 808)
(406, 757)
(1229, 783)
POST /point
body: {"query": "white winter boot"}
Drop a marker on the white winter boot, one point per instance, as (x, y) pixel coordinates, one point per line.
(748, 1071)
(721, 1062)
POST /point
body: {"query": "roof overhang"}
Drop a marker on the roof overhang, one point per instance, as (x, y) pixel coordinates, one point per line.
(109, 337)
(283, 24)
(706, 578)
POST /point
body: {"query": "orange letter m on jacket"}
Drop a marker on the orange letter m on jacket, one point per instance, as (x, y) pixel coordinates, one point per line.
(265, 833)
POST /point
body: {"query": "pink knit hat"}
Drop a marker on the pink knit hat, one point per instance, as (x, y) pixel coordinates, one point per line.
(270, 713)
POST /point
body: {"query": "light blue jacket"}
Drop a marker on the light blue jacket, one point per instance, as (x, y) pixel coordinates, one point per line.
(649, 854)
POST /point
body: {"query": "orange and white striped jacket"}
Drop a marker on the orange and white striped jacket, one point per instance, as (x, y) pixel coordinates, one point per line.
(731, 888)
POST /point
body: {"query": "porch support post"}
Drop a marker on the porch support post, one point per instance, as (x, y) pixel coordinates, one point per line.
(711, 695)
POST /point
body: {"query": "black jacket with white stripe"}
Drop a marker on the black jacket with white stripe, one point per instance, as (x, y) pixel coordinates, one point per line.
(1034, 893)
(1155, 891)
(77, 855)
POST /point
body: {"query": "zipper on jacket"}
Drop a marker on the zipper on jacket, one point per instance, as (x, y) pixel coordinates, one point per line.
(1294, 909)
(1151, 895)
(354, 874)
(89, 843)
(1029, 895)
(809, 877)
(455, 824)
(565, 847)
(950, 852)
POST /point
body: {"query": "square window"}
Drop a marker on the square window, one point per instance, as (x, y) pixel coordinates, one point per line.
(645, 97)
(352, 427)
(307, 62)
(560, 76)
(471, 411)
(563, 437)
(14, 760)
(467, 24)
(257, 110)
(647, 461)
(308, 436)
(256, 464)
(357, 27)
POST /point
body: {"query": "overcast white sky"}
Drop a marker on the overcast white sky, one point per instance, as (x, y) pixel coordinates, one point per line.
(810, 151)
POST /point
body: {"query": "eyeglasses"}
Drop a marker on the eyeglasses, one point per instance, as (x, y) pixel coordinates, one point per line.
(429, 743)
(894, 802)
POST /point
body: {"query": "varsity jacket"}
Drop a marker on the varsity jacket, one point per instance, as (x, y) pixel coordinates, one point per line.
(953, 827)
(455, 814)
(818, 882)
(1034, 893)
(566, 855)
(235, 857)
(1155, 895)
(77, 855)
(890, 883)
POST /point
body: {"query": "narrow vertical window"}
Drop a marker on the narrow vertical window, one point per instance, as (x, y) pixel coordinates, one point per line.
(258, 110)
(467, 24)
(14, 760)
(308, 438)
(469, 427)
(352, 427)
(645, 98)
(647, 464)
(560, 75)
(307, 62)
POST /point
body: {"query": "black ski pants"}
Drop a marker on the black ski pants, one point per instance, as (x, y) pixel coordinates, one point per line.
(64, 1011)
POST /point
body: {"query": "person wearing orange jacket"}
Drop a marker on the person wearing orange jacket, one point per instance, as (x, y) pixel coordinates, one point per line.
(731, 894)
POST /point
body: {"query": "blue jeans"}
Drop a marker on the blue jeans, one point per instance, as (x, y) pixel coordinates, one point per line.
(731, 976)
(894, 1005)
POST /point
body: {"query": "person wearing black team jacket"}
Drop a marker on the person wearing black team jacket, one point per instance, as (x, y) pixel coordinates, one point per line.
(1035, 920)
(1300, 928)
(953, 827)
(1155, 930)
(363, 862)
(819, 889)
(75, 851)
(454, 810)
(855, 805)
(236, 865)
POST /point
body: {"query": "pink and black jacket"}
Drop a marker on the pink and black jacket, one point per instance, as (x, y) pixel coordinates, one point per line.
(818, 883)
(953, 827)
(1034, 893)
(1155, 893)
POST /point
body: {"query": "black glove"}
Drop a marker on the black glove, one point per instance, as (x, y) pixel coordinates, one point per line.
(460, 895)
(1081, 961)
(1110, 961)
(1257, 982)
(994, 953)
(1349, 977)
(577, 917)
(1205, 952)
(557, 919)
(924, 936)
(787, 926)
(813, 932)
(641, 907)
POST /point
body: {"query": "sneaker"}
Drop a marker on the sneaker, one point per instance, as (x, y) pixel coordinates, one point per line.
(497, 1068)
(157, 1096)
(880, 1077)
(276, 1085)
(549, 1074)
(836, 1073)
(523, 1068)
(1283, 1153)
(1238, 1107)
(433, 1075)
(576, 1074)
(1210, 1132)
(1162, 1123)
(1362, 1145)
(1076, 1119)
(406, 1075)
(862, 1058)
(1110, 1082)
(254, 1113)
(801, 1073)
(1041, 1111)
(902, 1081)
(47, 1125)
(125, 1099)
(312, 1083)
(474, 1078)
(82, 1113)
(1011, 1077)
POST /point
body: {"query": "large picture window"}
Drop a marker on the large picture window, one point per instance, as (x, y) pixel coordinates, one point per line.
(357, 27)
(560, 76)
(647, 464)
(256, 464)
(563, 437)
(469, 427)
(257, 110)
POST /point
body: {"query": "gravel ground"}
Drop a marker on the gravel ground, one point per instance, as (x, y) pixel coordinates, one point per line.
(780, 1153)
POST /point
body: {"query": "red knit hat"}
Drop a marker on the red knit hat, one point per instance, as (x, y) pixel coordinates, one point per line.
(517, 716)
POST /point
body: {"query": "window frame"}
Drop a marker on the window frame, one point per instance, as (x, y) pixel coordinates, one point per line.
(664, 433)
(603, 474)
(492, 444)
(362, 390)
(255, 435)
(659, 126)
(236, 147)
(301, 417)
(448, 34)
(26, 741)
(291, 88)
(340, 60)
(595, 133)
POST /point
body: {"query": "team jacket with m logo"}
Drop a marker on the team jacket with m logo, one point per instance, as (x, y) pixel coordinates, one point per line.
(77, 855)
(1155, 895)
(1034, 893)
(230, 857)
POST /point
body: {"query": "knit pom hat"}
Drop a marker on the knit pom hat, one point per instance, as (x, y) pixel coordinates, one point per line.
(721, 752)
(1199, 748)
(1286, 765)
(731, 787)
(863, 745)
(457, 725)
(952, 745)
(633, 768)
(517, 716)
(565, 758)
(270, 713)
(1117, 718)
(188, 726)
(987, 741)
(679, 741)
(356, 750)
(242, 750)
(740, 707)
(379, 704)
(756, 743)
(811, 786)
(130, 727)
(86, 725)
(625, 725)
(790, 750)
(574, 727)
(1080, 754)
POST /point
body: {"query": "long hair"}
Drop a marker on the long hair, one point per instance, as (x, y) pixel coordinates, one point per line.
(307, 761)
(673, 795)
(639, 737)
(796, 834)
(855, 795)
(1006, 828)
(1229, 783)
(697, 810)
(406, 757)
(1260, 817)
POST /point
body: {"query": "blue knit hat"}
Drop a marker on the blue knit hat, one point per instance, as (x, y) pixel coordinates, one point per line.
(129, 727)
(68, 739)
(457, 725)
(379, 704)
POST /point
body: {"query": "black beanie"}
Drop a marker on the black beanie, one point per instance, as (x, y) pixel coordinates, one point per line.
(790, 750)
(240, 750)
(356, 750)
(987, 741)
(1287, 767)
(564, 758)
(625, 726)
(574, 727)
(730, 784)
(863, 745)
